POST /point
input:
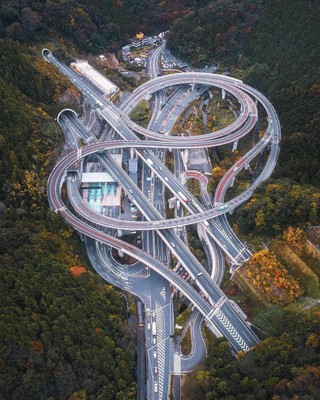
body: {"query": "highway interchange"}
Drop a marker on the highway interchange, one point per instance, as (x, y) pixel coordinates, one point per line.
(150, 278)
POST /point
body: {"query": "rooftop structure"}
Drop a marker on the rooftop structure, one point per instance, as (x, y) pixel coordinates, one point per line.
(96, 177)
(103, 83)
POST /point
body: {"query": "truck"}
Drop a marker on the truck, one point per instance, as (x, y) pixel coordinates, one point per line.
(183, 197)
(140, 313)
(154, 328)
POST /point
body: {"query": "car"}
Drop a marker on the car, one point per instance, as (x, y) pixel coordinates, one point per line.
(223, 207)
(155, 370)
(154, 354)
(166, 179)
(149, 326)
(172, 244)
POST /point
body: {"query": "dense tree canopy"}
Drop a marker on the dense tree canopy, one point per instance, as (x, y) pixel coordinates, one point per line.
(62, 330)
(279, 204)
(92, 26)
(218, 31)
(282, 367)
(63, 334)
(272, 44)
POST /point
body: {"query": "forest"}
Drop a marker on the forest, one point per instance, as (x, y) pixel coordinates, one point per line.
(271, 45)
(89, 26)
(63, 330)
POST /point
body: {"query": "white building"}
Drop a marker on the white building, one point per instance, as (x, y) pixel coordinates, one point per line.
(103, 83)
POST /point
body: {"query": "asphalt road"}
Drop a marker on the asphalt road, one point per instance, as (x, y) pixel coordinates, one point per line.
(222, 316)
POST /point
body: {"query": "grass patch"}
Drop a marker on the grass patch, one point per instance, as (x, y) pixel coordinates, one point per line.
(183, 317)
(311, 257)
(299, 269)
(194, 187)
(141, 114)
(185, 344)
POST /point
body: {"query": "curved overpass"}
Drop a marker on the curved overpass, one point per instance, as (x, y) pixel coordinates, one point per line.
(221, 315)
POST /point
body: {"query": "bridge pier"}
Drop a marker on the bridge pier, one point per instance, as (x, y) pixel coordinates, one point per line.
(233, 268)
(80, 170)
(185, 156)
(235, 145)
(213, 328)
(247, 165)
(232, 182)
(223, 94)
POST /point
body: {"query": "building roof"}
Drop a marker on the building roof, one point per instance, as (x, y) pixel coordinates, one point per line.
(96, 177)
(104, 84)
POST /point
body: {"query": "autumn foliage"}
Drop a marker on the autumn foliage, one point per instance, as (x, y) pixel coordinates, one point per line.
(77, 270)
(271, 279)
(295, 237)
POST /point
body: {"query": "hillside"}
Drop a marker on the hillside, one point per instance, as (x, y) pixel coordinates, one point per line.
(63, 330)
(88, 26)
(272, 46)
(63, 334)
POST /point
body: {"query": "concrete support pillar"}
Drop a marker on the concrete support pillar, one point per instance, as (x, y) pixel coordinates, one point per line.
(247, 165)
(183, 178)
(223, 92)
(185, 156)
(80, 169)
(192, 86)
(132, 153)
(235, 145)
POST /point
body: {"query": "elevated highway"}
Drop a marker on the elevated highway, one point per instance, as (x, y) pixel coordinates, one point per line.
(222, 316)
